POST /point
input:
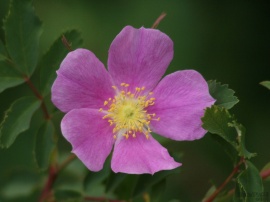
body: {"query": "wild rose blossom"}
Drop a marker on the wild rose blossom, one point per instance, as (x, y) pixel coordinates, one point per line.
(119, 108)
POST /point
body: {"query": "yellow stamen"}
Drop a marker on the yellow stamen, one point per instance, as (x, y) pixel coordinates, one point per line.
(127, 112)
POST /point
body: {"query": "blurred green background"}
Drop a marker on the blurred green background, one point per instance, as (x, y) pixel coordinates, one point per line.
(224, 40)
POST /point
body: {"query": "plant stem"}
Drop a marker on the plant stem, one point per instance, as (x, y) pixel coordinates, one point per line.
(264, 174)
(66, 162)
(47, 188)
(53, 174)
(39, 96)
(66, 43)
(228, 179)
(158, 20)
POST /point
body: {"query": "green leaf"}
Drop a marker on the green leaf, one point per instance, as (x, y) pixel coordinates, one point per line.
(52, 59)
(19, 183)
(9, 77)
(219, 121)
(17, 119)
(241, 140)
(147, 181)
(2, 51)
(93, 179)
(4, 6)
(157, 192)
(68, 196)
(22, 30)
(250, 184)
(114, 180)
(209, 192)
(223, 95)
(266, 84)
(216, 120)
(44, 145)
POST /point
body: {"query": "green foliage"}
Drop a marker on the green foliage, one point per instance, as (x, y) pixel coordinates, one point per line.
(19, 184)
(266, 84)
(44, 145)
(216, 120)
(52, 59)
(220, 122)
(250, 185)
(223, 95)
(22, 31)
(241, 148)
(93, 179)
(145, 182)
(17, 119)
(68, 196)
(9, 77)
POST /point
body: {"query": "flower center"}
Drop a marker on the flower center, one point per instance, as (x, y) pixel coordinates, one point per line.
(127, 111)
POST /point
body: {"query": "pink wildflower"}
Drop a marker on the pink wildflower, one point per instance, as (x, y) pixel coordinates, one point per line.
(121, 107)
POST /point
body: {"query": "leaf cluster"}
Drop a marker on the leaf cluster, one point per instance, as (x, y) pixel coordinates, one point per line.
(231, 135)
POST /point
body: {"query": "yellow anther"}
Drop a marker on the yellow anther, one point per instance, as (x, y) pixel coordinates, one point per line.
(146, 104)
(127, 113)
(100, 110)
(151, 93)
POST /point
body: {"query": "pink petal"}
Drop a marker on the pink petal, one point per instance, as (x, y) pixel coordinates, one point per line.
(139, 57)
(139, 155)
(82, 82)
(181, 98)
(90, 136)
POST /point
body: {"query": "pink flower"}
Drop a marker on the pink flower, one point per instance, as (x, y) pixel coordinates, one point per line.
(119, 108)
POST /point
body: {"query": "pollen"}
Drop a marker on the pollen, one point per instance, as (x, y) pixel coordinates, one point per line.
(127, 111)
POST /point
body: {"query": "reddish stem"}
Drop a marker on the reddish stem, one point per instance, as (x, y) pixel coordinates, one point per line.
(158, 20)
(49, 183)
(53, 174)
(228, 179)
(39, 96)
(66, 43)
(264, 174)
